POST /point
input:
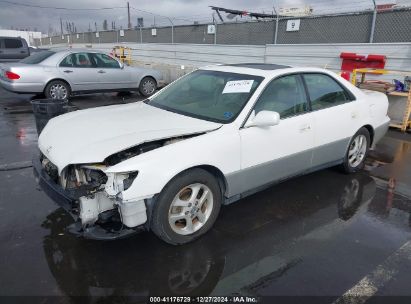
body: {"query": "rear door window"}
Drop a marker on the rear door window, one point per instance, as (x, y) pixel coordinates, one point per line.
(324, 91)
(12, 43)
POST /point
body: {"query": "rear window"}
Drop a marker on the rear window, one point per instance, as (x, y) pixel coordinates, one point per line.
(37, 57)
(13, 43)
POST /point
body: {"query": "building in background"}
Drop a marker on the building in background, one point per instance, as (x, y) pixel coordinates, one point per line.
(27, 35)
(296, 11)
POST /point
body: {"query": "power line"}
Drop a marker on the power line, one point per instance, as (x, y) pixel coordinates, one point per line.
(60, 8)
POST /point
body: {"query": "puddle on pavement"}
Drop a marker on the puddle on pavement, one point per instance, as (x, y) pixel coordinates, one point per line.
(235, 254)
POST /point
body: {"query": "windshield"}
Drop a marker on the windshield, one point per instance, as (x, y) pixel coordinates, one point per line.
(37, 57)
(209, 95)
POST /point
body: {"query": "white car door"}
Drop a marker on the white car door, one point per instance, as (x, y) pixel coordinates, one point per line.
(273, 153)
(336, 118)
(111, 74)
(80, 72)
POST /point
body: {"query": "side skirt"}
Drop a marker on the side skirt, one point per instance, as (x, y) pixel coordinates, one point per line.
(234, 198)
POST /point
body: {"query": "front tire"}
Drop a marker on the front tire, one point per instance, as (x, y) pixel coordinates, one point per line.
(187, 207)
(357, 151)
(148, 86)
(57, 90)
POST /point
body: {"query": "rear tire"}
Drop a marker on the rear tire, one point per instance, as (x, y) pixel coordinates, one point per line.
(57, 89)
(187, 207)
(147, 87)
(357, 151)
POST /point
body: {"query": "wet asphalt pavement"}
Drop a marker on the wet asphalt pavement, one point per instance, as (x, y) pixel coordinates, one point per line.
(324, 235)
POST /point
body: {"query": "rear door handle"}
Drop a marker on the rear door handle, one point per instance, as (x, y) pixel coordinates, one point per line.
(68, 71)
(101, 72)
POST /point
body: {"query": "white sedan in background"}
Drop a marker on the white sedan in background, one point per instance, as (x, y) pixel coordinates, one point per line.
(62, 73)
(212, 137)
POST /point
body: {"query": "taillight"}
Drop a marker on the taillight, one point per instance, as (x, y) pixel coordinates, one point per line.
(12, 76)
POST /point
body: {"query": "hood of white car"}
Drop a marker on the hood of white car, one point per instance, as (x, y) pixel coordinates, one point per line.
(92, 135)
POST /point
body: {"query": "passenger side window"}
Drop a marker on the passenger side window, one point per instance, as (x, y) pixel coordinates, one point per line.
(82, 60)
(104, 61)
(285, 95)
(13, 43)
(67, 62)
(324, 91)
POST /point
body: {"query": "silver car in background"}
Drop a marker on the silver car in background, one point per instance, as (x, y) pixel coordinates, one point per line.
(59, 74)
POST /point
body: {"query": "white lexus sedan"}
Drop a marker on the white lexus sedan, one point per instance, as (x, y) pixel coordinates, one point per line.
(210, 138)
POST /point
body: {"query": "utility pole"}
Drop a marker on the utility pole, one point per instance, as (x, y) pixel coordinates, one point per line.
(374, 18)
(61, 26)
(128, 14)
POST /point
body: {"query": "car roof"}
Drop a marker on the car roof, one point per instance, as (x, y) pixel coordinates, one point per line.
(260, 66)
(8, 37)
(269, 70)
(76, 50)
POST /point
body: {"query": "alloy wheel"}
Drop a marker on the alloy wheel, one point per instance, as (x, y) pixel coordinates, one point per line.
(190, 209)
(58, 91)
(149, 87)
(357, 151)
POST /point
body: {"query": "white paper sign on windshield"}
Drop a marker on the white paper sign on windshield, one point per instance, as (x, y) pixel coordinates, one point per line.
(238, 86)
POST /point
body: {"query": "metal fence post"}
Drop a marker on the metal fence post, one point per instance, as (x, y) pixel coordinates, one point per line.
(374, 18)
(172, 30)
(215, 32)
(276, 24)
(276, 29)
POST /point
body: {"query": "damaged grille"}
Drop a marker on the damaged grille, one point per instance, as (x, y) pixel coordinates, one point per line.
(49, 168)
(76, 180)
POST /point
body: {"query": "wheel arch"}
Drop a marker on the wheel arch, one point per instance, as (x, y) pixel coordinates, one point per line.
(219, 175)
(370, 130)
(149, 76)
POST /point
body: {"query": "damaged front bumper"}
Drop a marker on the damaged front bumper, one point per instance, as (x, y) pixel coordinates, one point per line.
(68, 200)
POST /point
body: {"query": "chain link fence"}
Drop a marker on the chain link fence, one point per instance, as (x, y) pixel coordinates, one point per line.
(359, 27)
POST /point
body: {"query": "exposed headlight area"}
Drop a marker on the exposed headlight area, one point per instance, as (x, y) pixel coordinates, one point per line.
(119, 182)
(97, 196)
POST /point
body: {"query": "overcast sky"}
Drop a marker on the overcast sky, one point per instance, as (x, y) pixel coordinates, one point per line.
(184, 11)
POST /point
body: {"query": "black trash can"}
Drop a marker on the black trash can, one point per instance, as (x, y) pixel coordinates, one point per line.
(46, 109)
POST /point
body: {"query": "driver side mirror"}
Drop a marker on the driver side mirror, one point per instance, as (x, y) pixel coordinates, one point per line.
(264, 119)
(121, 65)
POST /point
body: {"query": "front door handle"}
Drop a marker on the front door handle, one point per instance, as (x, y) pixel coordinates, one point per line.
(68, 71)
(304, 128)
(101, 72)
